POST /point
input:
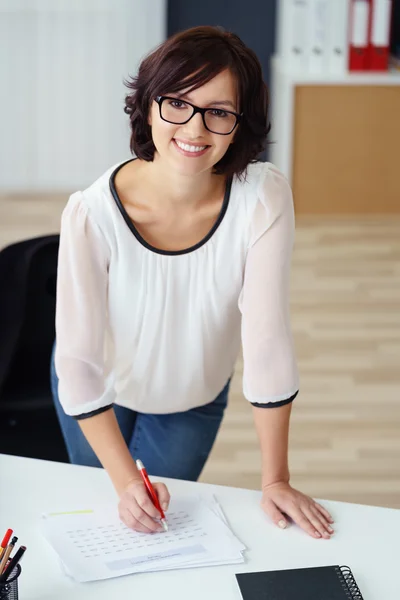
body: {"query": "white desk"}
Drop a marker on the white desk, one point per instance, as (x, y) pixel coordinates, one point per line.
(367, 539)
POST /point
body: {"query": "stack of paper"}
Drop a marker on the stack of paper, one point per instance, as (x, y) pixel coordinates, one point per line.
(93, 543)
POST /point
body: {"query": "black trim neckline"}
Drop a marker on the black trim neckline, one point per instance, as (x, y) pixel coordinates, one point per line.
(140, 239)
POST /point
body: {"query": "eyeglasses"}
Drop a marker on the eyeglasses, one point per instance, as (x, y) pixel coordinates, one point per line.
(178, 112)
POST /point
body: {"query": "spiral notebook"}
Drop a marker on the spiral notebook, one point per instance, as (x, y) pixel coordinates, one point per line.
(316, 583)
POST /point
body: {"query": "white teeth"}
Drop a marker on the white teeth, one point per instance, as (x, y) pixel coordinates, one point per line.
(190, 148)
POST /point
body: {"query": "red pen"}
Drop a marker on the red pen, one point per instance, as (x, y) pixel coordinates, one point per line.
(151, 492)
(5, 541)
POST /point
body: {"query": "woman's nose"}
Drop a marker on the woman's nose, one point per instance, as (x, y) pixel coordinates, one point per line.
(195, 127)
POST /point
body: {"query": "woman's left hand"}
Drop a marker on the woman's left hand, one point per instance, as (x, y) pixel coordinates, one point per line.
(280, 498)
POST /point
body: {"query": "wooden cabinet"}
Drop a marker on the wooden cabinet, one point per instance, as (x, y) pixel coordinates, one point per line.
(338, 141)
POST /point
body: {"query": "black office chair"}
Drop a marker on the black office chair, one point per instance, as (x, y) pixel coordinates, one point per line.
(28, 421)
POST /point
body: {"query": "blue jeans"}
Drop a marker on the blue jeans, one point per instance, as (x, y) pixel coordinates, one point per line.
(173, 445)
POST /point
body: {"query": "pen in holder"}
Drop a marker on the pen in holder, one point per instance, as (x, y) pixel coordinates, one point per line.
(9, 588)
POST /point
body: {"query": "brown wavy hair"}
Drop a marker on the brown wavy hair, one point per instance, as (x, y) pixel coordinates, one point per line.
(190, 59)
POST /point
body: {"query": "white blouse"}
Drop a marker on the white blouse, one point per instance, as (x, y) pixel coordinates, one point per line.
(160, 332)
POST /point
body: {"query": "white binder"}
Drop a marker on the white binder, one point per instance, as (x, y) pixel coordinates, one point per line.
(317, 42)
(292, 33)
(381, 17)
(338, 35)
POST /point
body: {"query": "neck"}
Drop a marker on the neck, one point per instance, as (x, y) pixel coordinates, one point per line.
(177, 189)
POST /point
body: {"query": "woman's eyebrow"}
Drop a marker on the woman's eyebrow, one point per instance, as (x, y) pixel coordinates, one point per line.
(223, 103)
(213, 103)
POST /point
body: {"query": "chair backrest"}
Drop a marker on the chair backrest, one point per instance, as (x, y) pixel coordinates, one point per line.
(28, 274)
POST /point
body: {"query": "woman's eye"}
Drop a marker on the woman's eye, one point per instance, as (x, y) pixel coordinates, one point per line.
(177, 104)
(218, 113)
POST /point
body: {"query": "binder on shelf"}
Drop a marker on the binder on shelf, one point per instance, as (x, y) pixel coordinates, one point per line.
(379, 35)
(360, 13)
(317, 43)
(337, 36)
(292, 21)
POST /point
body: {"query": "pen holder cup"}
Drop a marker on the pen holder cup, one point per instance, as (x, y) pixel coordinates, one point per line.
(9, 589)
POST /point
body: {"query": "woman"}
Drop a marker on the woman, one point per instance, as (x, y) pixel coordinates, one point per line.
(167, 263)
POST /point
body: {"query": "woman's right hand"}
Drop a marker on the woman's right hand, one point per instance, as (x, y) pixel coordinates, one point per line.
(137, 511)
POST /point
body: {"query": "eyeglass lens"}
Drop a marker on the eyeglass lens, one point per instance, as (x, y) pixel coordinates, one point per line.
(217, 120)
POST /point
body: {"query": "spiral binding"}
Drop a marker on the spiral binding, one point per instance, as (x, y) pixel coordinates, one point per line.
(349, 583)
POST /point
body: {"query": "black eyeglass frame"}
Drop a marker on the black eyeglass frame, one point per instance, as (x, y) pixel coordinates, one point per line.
(197, 109)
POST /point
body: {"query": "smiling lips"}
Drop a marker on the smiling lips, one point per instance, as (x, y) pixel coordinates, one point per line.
(189, 149)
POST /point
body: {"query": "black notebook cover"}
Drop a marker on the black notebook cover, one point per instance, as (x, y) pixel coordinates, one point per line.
(315, 583)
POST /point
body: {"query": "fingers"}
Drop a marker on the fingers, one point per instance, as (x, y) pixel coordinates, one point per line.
(304, 521)
(132, 522)
(294, 512)
(136, 518)
(283, 503)
(143, 500)
(309, 518)
(137, 511)
(326, 514)
(316, 508)
(317, 521)
(274, 513)
(163, 495)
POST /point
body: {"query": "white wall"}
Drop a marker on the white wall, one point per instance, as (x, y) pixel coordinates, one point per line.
(62, 65)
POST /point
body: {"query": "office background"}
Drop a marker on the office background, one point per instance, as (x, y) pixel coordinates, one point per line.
(345, 440)
(255, 25)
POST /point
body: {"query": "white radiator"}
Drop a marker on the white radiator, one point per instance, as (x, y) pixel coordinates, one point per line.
(62, 65)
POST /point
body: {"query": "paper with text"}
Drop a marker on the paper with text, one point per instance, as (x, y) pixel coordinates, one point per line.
(94, 544)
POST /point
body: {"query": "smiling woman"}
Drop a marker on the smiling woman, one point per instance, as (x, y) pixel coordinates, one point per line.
(226, 73)
(203, 131)
(167, 263)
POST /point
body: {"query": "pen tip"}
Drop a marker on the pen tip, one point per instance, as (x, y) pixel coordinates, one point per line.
(164, 524)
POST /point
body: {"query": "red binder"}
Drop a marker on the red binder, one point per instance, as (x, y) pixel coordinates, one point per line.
(359, 26)
(379, 34)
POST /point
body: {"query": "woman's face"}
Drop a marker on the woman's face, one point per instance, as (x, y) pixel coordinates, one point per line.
(190, 148)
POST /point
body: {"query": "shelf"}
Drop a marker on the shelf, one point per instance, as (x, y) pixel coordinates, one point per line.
(391, 77)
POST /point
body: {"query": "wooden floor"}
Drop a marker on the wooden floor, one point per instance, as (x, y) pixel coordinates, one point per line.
(345, 432)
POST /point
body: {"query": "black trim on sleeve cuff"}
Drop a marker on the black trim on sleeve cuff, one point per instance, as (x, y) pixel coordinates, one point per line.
(275, 404)
(92, 413)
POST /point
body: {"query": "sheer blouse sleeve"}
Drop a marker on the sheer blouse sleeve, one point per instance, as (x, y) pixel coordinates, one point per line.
(270, 375)
(82, 278)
